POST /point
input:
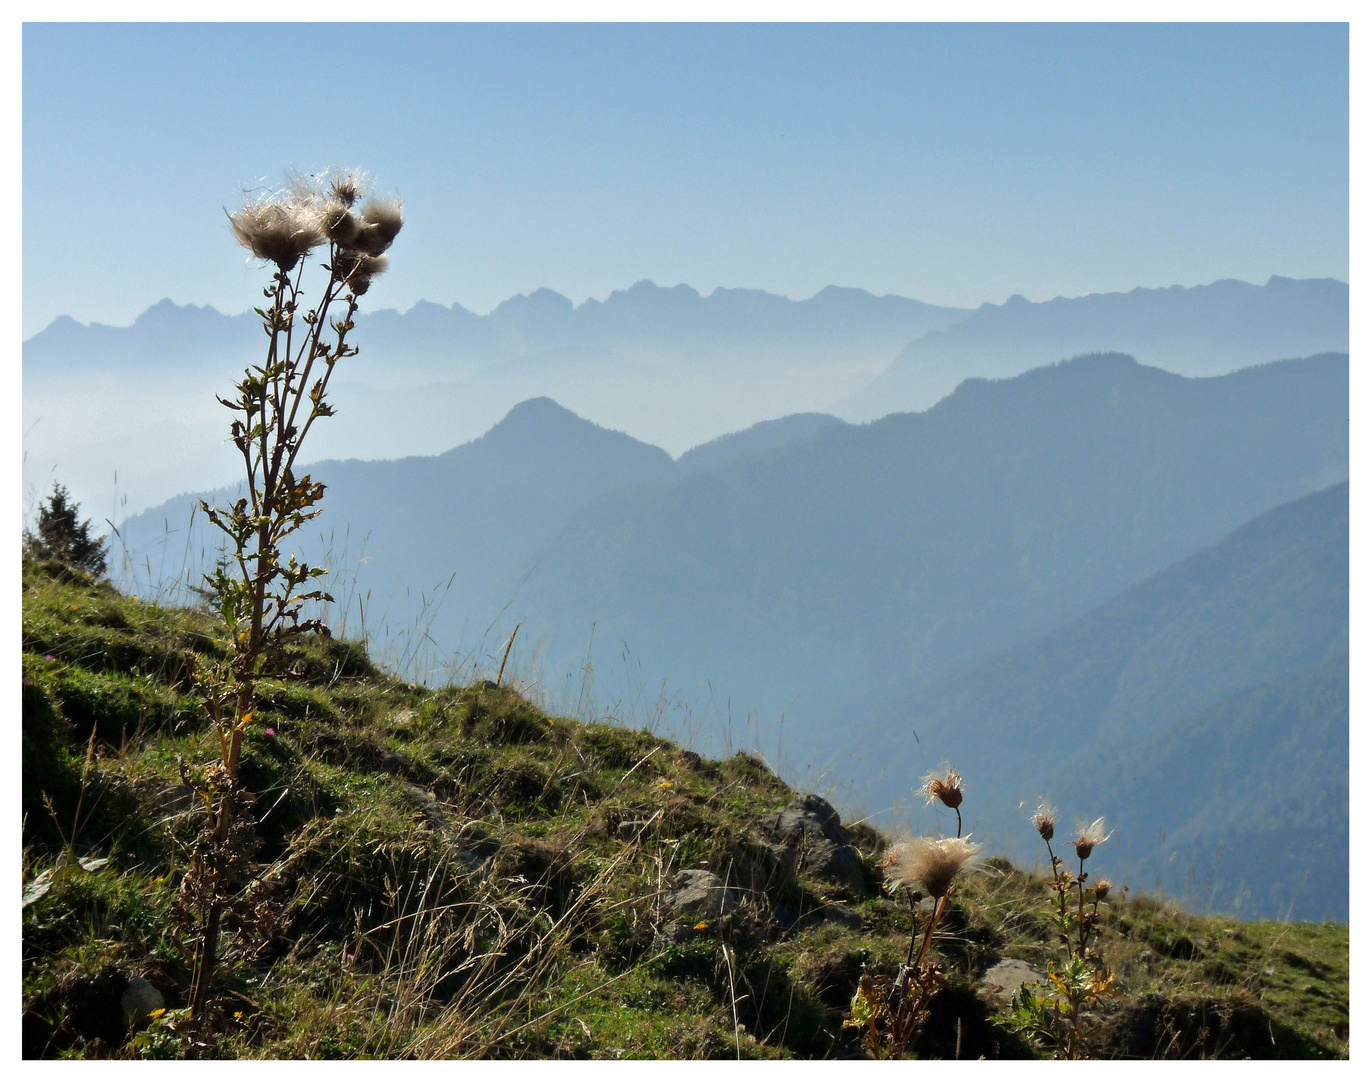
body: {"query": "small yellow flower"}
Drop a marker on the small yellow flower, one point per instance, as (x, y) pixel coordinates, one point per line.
(665, 784)
(701, 926)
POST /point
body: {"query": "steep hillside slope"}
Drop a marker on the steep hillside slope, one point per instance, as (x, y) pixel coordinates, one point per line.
(757, 439)
(1187, 708)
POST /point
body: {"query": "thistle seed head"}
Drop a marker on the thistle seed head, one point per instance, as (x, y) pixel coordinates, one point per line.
(949, 788)
(934, 863)
(1044, 820)
(357, 269)
(381, 221)
(1090, 836)
(1101, 888)
(347, 187)
(340, 223)
(279, 229)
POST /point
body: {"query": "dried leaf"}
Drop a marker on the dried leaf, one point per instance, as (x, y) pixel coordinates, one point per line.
(37, 888)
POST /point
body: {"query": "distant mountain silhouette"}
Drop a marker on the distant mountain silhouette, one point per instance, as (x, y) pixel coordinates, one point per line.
(1205, 330)
(400, 534)
(869, 558)
(431, 342)
(757, 439)
(667, 365)
(1192, 704)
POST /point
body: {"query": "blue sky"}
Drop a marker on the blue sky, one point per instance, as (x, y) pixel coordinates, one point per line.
(955, 164)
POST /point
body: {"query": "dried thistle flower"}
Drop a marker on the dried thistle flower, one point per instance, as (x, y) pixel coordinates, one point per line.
(1044, 820)
(279, 229)
(934, 863)
(949, 788)
(340, 223)
(347, 187)
(358, 269)
(381, 220)
(1090, 836)
(1101, 888)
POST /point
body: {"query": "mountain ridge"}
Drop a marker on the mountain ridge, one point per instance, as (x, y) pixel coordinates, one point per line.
(1199, 330)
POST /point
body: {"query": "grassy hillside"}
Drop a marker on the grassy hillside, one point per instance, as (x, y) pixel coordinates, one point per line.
(455, 873)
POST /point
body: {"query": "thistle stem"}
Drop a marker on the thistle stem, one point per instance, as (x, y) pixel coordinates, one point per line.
(1083, 930)
(927, 938)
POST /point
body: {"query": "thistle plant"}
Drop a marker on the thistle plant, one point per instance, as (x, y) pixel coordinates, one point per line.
(1057, 1019)
(889, 1011)
(261, 594)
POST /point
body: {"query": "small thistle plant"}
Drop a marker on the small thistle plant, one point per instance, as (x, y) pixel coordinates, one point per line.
(889, 1011)
(259, 593)
(1056, 1020)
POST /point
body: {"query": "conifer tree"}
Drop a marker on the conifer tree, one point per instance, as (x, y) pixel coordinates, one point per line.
(61, 535)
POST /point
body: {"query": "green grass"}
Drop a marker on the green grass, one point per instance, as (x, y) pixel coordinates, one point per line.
(456, 873)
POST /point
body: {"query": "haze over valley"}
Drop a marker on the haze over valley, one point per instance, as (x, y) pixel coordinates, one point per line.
(666, 365)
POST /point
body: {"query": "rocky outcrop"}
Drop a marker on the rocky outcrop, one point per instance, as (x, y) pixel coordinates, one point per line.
(809, 838)
(1002, 981)
(692, 898)
(698, 893)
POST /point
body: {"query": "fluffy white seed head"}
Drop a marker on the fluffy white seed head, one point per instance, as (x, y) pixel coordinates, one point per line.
(381, 220)
(357, 269)
(279, 229)
(933, 863)
(1044, 820)
(1090, 836)
(347, 186)
(340, 223)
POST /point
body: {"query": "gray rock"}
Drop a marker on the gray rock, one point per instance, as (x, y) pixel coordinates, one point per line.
(426, 805)
(631, 830)
(139, 1002)
(676, 933)
(700, 893)
(472, 846)
(810, 836)
(1005, 978)
(396, 764)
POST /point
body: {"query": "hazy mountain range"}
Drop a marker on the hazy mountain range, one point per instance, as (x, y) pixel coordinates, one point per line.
(839, 574)
(1205, 330)
(666, 365)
